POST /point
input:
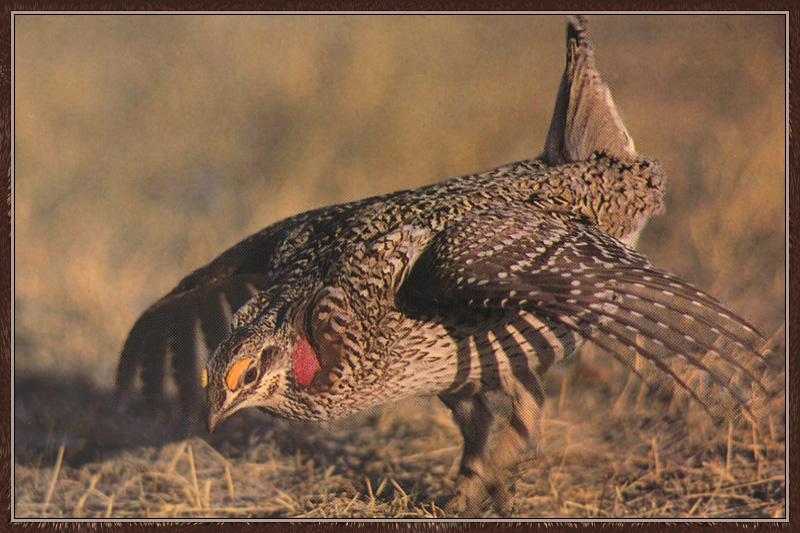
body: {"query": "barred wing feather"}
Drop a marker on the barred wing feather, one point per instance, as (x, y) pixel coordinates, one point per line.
(556, 266)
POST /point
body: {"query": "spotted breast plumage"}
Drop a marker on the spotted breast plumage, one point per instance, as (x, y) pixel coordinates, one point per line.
(475, 284)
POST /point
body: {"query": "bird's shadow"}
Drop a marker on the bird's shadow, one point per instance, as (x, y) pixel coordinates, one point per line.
(51, 410)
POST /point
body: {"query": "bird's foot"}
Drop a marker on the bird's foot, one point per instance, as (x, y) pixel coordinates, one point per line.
(467, 503)
(501, 498)
(474, 494)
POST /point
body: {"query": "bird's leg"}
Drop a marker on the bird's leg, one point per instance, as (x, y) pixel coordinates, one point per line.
(475, 476)
(523, 431)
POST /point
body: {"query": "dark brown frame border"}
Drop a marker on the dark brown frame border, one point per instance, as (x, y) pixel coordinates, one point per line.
(315, 5)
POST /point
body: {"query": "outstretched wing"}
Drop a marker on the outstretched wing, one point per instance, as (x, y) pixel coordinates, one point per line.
(585, 118)
(557, 267)
(189, 322)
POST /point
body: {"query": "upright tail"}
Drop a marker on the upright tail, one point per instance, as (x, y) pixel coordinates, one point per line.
(585, 118)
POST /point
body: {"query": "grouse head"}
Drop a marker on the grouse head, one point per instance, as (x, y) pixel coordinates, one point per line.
(251, 368)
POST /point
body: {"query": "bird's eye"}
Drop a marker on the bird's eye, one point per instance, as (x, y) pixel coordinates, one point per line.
(251, 375)
(239, 373)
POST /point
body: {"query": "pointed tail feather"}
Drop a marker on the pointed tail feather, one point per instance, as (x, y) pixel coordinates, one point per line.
(585, 118)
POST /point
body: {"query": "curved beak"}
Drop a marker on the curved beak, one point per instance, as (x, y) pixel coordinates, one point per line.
(213, 420)
(217, 412)
(216, 415)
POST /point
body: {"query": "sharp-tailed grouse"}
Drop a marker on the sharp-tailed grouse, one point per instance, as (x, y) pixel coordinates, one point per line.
(474, 284)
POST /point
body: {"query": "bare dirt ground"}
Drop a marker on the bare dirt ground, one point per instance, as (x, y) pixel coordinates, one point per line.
(147, 145)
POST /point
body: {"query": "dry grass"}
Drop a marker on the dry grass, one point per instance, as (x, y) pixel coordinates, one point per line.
(399, 462)
(146, 145)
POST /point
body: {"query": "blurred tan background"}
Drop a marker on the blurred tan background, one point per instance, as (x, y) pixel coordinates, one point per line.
(146, 145)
